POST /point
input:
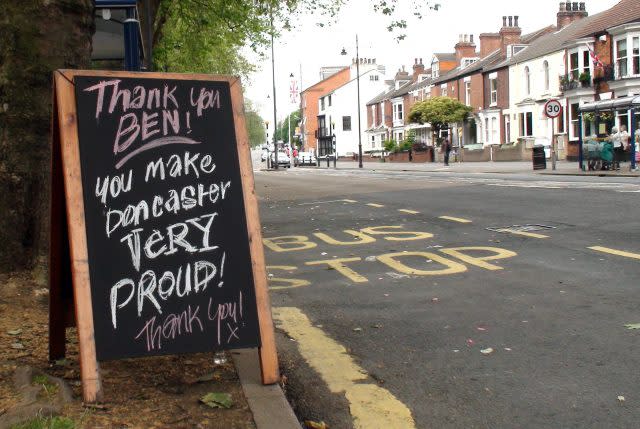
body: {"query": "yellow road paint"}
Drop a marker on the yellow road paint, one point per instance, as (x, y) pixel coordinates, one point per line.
(375, 205)
(285, 283)
(384, 230)
(362, 238)
(288, 243)
(391, 259)
(455, 219)
(370, 405)
(523, 233)
(408, 211)
(615, 252)
(338, 265)
(458, 252)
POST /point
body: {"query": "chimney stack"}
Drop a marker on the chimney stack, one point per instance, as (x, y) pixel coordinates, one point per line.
(489, 42)
(569, 12)
(509, 35)
(418, 69)
(465, 48)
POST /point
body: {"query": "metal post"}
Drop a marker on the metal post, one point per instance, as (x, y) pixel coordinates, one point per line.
(335, 151)
(131, 41)
(633, 138)
(358, 84)
(580, 157)
(273, 77)
(554, 146)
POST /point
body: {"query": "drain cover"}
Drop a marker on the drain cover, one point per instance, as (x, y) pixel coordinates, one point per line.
(520, 228)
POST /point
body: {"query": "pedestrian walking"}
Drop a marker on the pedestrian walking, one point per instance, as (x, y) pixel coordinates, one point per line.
(618, 149)
(446, 149)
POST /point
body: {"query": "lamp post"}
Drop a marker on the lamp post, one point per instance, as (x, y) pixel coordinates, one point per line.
(344, 52)
(273, 77)
(289, 127)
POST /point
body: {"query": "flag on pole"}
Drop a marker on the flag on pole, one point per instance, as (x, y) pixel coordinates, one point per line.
(293, 92)
(596, 60)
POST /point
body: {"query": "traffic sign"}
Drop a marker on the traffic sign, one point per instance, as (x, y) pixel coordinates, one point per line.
(552, 108)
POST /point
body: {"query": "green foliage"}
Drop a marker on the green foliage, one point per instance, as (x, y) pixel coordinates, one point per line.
(255, 125)
(439, 111)
(410, 139)
(390, 145)
(46, 423)
(283, 132)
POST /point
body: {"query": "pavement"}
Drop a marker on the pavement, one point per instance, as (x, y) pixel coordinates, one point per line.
(480, 298)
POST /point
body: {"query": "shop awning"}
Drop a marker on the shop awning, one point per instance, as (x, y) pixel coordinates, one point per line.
(622, 103)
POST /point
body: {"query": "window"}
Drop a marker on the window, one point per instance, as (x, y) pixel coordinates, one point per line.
(373, 115)
(526, 124)
(545, 70)
(507, 129)
(322, 104)
(494, 130)
(397, 112)
(586, 59)
(493, 84)
(346, 123)
(443, 90)
(561, 123)
(435, 68)
(575, 118)
(467, 93)
(486, 130)
(574, 67)
(329, 100)
(527, 81)
(621, 55)
(635, 58)
(373, 141)
(373, 77)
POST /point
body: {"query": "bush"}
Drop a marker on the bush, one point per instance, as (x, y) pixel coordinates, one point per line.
(390, 145)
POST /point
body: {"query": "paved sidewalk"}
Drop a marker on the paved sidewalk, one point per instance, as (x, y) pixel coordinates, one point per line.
(562, 168)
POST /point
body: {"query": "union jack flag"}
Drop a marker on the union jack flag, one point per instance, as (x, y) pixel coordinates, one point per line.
(596, 60)
(293, 92)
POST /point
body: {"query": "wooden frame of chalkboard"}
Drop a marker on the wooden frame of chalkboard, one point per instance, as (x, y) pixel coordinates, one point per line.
(73, 263)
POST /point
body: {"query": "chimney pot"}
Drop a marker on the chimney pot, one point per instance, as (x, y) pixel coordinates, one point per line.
(515, 21)
(561, 6)
(415, 61)
(575, 5)
(420, 60)
(510, 21)
(582, 7)
(471, 38)
(504, 21)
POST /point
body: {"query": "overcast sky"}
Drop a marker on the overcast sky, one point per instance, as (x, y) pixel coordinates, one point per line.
(310, 47)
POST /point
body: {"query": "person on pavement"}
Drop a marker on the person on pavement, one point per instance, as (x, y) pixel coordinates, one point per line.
(618, 150)
(446, 148)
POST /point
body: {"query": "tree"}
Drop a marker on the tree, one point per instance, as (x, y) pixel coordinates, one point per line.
(283, 132)
(255, 126)
(29, 53)
(439, 112)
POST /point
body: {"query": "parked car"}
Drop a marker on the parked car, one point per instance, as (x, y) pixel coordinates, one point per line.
(265, 155)
(305, 158)
(283, 159)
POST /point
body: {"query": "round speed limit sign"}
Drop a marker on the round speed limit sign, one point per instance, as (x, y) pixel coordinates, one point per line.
(552, 109)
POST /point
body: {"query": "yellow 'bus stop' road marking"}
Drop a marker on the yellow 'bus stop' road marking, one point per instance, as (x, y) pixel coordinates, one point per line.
(615, 252)
(375, 205)
(370, 405)
(524, 233)
(408, 211)
(455, 219)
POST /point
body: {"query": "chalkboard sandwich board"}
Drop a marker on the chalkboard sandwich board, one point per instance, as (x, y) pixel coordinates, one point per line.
(162, 226)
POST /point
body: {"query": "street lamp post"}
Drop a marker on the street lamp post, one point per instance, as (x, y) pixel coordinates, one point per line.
(344, 52)
(289, 116)
(273, 76)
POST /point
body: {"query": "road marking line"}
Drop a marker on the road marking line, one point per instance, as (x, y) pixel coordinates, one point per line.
(524, 233)
(375, 205)
(329, 201)
(455, 219)
(408, 211)
(615, 252)
(370, 405)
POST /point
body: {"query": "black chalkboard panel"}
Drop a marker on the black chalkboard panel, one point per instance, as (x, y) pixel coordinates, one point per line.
(169, 259)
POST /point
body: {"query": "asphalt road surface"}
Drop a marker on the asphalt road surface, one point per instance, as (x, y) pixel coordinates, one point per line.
(438, 300)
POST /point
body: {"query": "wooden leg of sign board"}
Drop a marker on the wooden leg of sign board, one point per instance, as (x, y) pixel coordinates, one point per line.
(89, 369)
(267, 352)
(57, 326)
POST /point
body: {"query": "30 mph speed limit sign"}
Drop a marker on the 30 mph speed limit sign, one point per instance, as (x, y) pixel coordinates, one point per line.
(552, 109)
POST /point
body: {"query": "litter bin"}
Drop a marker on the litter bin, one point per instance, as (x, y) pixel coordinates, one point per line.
(539, 158)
